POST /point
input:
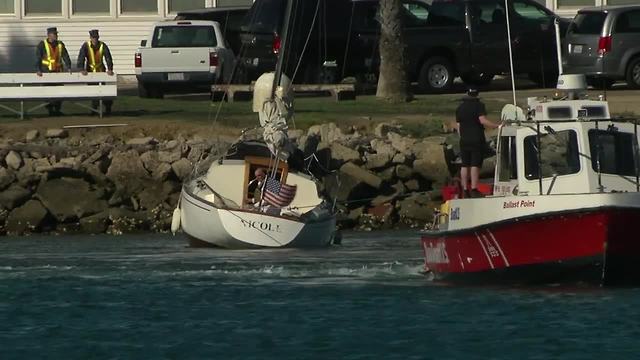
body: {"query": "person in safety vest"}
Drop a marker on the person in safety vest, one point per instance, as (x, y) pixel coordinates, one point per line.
(94, 56)
(52, 56)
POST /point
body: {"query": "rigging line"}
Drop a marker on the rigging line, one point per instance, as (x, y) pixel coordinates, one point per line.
(513, 79)
(306, 43)
(346, 49)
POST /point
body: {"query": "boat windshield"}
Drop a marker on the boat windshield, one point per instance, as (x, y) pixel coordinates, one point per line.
(616, 155)
(559, 156)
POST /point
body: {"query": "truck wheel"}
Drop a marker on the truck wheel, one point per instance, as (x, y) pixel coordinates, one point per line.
(633, 73)
(436, 75)
(477, 79)
(143, 91)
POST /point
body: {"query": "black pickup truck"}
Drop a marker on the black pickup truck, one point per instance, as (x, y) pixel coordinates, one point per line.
(445, 39)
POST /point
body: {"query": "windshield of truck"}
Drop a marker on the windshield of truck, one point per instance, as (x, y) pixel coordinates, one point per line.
(175, 36)
(264, 16)
(588, 23)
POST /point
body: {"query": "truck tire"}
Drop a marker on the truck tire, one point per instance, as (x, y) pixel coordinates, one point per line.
(436, 75)
(143, 92)
(633, 73)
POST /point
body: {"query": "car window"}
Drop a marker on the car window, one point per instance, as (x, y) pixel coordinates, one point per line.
(264, 16)
(446, 13)
(415, 14)
(588, 23)
(530, 11)
(488, 12)
(184, 36)
(628, 22)
(366, 17)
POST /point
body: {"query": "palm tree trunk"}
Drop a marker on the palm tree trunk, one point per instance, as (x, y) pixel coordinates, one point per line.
(392, 82)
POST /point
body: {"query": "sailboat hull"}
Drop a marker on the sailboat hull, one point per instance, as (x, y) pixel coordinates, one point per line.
(207, 224)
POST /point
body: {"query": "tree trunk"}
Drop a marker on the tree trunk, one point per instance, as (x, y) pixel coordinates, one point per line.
(392, 82)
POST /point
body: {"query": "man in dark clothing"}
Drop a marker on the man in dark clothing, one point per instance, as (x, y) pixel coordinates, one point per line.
(471, 119)
(94, 56)
(52, 56)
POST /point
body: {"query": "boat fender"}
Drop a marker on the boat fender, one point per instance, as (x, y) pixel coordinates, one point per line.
(175, 221)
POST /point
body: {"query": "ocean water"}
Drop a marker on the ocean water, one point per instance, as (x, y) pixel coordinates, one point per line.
(151, 297)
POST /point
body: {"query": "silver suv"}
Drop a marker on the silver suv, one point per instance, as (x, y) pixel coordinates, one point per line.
(604, 43)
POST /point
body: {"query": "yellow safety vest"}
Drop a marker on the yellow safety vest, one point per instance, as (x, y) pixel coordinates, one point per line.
(53, 60)
(95, 60)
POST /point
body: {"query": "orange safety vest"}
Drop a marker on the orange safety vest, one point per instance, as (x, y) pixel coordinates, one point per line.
(53, 61)
(95, 58)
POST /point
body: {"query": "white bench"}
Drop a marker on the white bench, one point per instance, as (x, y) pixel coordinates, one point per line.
(56, 86)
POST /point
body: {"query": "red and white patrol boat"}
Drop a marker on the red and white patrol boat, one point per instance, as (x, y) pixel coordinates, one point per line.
(565, 204)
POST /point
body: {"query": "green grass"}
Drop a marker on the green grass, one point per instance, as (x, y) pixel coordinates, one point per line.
(422, 117)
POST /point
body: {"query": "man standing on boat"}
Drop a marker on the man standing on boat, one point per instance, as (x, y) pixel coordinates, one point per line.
(471, 121)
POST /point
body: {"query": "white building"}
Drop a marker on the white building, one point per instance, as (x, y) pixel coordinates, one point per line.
(122, 24)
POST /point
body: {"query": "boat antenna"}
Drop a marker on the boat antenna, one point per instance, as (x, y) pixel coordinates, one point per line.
(513, 79)
(283, 46)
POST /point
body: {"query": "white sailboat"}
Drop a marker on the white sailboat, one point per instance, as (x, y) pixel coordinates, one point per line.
(218, 207)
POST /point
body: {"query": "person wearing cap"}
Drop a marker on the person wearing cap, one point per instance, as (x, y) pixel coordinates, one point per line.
(471, 121)
(52, 56)
(95, 56)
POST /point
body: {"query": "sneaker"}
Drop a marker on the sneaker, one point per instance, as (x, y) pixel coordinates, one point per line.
(466, 194)
(476, 194)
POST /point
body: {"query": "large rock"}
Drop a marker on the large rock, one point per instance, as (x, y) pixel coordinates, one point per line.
(343, 153)
(381, 147)
(383, 129)
(13, 160)
(162, 172)
(416, 210)
(30, 217)
(125, 221)
(150, 160)
(142, 141)
(56, 133)
(13, 197)
(156, 193)
(27, 176)
(70, 199)
(328, 133)
(95, 224)
(378, 161)
(169, 157)
(182, 168)
(7, 177)
(430, 161)
(403, 172)
(42, 165)
(126, 165)
(361, 175)
(32, 135)
(401, 144)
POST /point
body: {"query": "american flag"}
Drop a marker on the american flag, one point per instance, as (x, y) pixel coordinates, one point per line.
(277, 194)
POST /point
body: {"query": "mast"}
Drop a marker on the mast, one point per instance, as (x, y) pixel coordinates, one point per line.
(513, 79)
(284, 40)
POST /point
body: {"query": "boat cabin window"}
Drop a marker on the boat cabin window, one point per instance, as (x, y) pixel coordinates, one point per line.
(559, 155)
(257, 170)
(596, 112)
(616, 153)
(559, 112)
(508, 164)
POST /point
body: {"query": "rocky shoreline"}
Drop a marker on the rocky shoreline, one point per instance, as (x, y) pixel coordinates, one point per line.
(68, 181)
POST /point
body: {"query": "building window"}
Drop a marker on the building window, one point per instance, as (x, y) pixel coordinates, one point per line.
(181, 5)
(139, 6)
(575, 3)
(43, 7)
(622, 2)
(6, 7)
(223, 3)
(91, 7)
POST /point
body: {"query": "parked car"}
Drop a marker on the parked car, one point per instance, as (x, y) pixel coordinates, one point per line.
(445, 39)
(229, 18)
(604, 43)
(182, 56)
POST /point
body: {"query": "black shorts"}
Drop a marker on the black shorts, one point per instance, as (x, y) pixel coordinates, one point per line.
(472, 155)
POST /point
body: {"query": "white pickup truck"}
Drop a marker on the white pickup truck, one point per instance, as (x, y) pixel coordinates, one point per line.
(182, 56)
